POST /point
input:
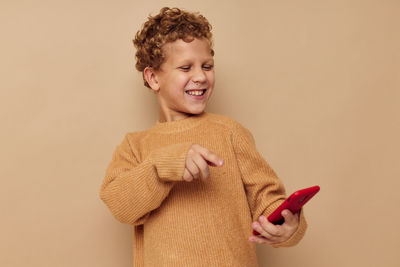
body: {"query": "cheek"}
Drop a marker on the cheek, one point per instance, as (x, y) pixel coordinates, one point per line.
(176, 79)
(182, 80)
(211, 79)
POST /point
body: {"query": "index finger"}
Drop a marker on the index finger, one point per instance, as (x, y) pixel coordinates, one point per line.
(211, 158)
(270, 228)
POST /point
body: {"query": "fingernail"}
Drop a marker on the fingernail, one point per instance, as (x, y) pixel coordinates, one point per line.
(262, 218)
(220, 162)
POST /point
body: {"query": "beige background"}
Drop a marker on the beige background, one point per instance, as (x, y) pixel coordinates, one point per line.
(317, 83)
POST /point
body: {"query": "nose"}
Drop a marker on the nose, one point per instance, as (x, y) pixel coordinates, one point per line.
(199, 76)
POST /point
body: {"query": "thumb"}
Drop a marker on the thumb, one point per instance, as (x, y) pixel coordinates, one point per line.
(289, 216)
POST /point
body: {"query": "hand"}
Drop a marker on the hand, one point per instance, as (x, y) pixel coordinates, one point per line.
(197, 160)
(274, 234)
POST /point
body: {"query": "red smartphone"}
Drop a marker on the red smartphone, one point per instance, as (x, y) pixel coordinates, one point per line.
(293, 203)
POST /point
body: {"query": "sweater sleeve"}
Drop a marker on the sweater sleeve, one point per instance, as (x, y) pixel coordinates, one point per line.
(265, 191)
(132, 189)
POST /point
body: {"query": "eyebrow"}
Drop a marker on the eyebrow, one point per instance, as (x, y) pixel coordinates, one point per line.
(187, 61)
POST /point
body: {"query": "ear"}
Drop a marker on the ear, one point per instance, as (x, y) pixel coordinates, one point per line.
(151, 78)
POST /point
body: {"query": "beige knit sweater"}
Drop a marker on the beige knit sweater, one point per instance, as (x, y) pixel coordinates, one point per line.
(199, 223)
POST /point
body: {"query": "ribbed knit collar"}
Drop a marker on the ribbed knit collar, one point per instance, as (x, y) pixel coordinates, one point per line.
(179, 125)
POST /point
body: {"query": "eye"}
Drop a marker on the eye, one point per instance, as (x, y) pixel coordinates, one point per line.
(208, 67)
(185, 68)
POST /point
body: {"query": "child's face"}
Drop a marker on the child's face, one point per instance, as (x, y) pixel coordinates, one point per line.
(185, 79)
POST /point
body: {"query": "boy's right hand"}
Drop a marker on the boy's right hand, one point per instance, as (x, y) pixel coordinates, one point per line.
(197, 160)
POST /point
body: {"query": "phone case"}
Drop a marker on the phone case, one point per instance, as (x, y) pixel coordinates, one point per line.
(293, 203)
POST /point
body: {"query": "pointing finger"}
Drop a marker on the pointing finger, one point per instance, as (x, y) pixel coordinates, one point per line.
(211, 158)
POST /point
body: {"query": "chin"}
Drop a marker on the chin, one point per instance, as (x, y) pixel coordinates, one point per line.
(196, 111)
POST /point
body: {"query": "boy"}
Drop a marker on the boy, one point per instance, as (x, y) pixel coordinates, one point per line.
(192, 184)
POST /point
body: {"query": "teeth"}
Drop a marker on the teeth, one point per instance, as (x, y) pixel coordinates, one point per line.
(195, 92)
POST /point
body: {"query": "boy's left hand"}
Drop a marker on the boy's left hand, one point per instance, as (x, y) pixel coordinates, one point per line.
(274, 234)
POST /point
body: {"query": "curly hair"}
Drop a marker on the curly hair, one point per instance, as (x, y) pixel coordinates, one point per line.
(169, 25)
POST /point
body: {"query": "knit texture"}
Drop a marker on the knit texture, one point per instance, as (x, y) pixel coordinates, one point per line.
(198, 223)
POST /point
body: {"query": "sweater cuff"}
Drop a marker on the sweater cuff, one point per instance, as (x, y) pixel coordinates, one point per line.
(297, 236)
(170, 161)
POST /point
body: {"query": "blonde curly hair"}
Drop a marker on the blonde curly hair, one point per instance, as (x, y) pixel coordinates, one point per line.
(169, 25)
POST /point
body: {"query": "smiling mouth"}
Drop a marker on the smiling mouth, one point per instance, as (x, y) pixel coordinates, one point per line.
(196, 92)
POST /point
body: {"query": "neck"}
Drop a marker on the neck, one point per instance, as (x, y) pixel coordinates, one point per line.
(172, 116)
